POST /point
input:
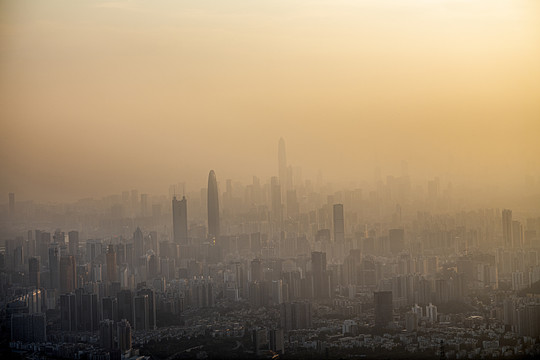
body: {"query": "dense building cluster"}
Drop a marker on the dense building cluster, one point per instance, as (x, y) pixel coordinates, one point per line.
(289, 266)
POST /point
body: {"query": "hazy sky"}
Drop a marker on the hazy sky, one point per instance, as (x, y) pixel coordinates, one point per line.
(101, 96)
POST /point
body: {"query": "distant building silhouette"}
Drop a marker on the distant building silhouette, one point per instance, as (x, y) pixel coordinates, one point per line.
(69, 319)
(507, 228)
(138, 244)
(106, 334)
(141, 312)
(383, 308)
(28, 328)
(34, 272)
(180, 226)
(73, 237)
(339, 224)
(213, 206)
(68, 275)
(111, 264)
(54, 266)
(123, 335)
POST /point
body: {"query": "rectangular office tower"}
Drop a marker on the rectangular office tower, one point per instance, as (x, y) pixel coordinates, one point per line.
(339, 224)
(180, 226)
(507, 228)
(383, 308)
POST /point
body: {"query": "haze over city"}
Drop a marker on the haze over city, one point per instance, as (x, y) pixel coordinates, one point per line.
(270, 179)
(99, 95)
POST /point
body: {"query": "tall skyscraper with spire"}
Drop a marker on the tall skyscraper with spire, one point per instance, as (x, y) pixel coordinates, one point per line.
(213, 206)
(180, 226)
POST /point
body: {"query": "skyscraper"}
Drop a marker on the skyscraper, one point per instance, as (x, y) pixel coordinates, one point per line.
(89, 312)
(180, 226)
(507, 228)
(213, 206)
(125, 305)
(144, 205)
(141, 312)
(111, 264)
(34, 272)
(73, 237)
(54, 266)
(68, 277)
(257, 270)
(138, 245)
(68, 312)
(109, 308)
(517, 234)
(124, 335)
(321, 281)
(383, 308)
(106, 334)
(151, 306)
(339, 224)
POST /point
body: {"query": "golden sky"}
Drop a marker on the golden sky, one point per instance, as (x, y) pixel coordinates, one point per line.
(101, 96)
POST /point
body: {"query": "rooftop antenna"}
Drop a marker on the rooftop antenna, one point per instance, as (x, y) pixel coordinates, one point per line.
(184, 190)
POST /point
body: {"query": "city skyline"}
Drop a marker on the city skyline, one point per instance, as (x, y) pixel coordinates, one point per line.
(270, 179)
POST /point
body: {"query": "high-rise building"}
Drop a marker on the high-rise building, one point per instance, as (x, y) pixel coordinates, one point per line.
(106, 334)
(109, 308)
(276, 341)
(431, 312)
(180, 224)
(124, 335)
(34, 272)
(138, 244)
(125, 305)
(517, 234)
(383, 308)
(151, 295)
(89, 312)
(339, 224)
(73, 237)
(141, 312)
(507, 228)
(54, 266)
(321, 279)
(144, 205)
(213, 206)
(112, 271)
(296, 315)
(257, 270)
(28, 328)
(68, 275)
(68, 312)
